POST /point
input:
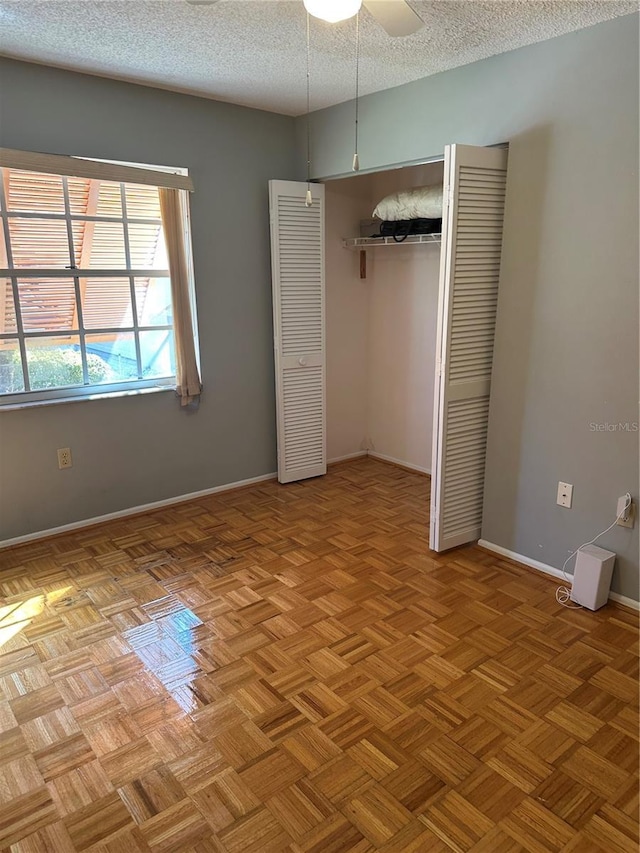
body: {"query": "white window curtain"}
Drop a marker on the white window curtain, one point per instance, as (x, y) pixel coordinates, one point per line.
(188, 385)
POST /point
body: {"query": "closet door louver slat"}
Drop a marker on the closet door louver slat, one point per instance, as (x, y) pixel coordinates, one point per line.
(297, 263)
(475, 184)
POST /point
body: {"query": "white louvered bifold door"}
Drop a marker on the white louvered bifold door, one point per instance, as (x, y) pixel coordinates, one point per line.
(297, 264)
(474, 191)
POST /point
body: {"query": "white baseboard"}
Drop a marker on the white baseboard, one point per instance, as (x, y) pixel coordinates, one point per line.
(134, 510)
(357, 455)
(549, 570)
(384, 458)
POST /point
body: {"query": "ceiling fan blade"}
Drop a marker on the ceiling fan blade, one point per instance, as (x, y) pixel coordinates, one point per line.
(395, 16)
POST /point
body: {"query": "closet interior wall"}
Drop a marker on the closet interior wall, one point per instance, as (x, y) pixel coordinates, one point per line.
(380, 331)
(346, 320)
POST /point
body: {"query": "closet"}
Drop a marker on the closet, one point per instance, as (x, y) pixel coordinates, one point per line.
(390, 353)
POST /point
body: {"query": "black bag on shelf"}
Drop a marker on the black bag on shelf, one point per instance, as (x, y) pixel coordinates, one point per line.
(403, 228)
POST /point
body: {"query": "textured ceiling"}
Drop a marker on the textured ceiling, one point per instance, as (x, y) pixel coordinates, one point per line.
(253, 53)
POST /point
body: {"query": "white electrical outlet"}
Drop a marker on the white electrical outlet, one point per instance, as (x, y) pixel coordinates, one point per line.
(64, 457)
(625, 511)
(565, 494)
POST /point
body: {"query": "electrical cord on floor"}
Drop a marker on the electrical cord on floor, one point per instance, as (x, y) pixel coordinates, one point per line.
(563, 593)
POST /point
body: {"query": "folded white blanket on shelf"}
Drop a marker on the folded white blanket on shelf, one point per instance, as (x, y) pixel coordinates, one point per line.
(419, 203)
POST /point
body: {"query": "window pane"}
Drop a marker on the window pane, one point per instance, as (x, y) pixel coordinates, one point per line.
(104, 246)
(11, 379)
(7, 308)
(54, 362)
(31, 191)
(78, 233)
(39, 242)
(106, 303)
(47, 305)
(3, 246)
(117, 351)
(90, 197)
(109, 200)
(78, 194)
(157, 354)
(147, 247)
(143, 202)
(153, 301)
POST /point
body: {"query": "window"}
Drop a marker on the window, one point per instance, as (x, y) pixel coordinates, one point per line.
(85, 290)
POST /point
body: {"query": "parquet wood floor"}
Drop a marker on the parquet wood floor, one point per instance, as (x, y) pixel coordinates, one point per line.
(287, 668)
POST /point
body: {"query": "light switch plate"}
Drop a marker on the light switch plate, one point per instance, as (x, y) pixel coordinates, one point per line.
(565, 494)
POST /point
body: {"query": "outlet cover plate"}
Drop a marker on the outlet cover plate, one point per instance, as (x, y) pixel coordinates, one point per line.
(565, 494)
(64, 458)
(626, 520)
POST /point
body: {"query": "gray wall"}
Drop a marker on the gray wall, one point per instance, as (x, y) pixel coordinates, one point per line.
(567, 344)
(134, 450)
(567, 340)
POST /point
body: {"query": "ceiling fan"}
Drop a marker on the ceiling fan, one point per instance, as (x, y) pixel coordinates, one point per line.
(396, 17)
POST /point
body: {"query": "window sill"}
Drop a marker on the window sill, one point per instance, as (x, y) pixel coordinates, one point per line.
(110, 395)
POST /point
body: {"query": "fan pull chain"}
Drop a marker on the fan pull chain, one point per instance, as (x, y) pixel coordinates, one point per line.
(308, 200)
(356, 158)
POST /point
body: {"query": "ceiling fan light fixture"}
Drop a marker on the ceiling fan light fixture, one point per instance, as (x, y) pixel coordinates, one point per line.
(333, 11)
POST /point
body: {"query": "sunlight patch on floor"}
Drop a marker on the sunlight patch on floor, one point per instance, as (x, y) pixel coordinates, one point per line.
(17, 616)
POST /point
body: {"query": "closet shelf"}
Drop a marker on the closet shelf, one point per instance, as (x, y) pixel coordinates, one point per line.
(369, 242)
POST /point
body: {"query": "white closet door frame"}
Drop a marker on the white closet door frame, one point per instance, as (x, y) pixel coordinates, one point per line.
(474, 187)
(298, 270)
